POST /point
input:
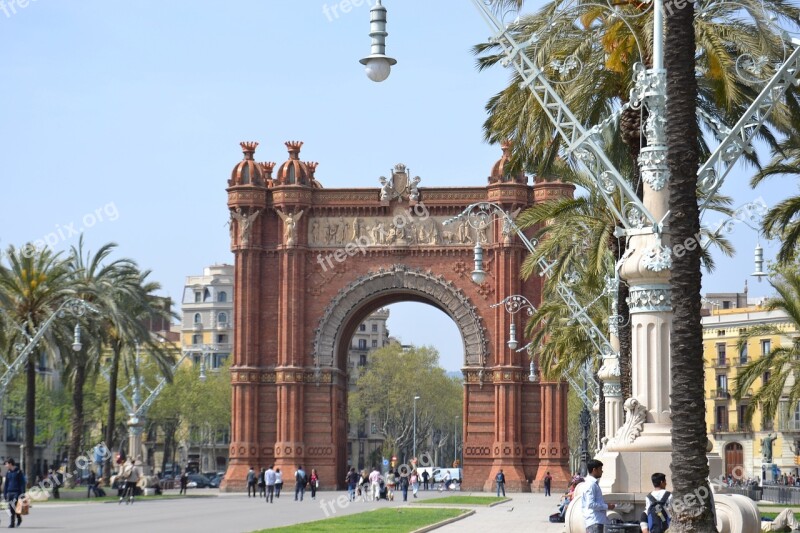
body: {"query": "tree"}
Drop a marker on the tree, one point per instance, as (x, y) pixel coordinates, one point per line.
(782, 362)
(121, 332)
(32, 286)
(104, 285)
(689, 440)
(385, 392)
(782, 219)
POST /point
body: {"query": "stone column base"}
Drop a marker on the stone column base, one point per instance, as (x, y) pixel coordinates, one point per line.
(235, 479)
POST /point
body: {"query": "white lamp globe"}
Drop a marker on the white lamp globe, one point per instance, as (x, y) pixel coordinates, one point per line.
(378, 69)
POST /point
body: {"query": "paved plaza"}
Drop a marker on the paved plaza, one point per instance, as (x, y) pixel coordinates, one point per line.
(231, 513)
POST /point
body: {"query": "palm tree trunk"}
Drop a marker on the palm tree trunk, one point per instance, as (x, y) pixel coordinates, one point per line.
(30, 419)
(76, 438)
(689, 440)
(111, 421)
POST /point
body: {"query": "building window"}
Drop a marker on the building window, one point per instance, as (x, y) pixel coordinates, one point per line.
(362, 360)
(742, 417)
(726, 304)
(743, 354)
(207, 295)
(722, 382)
(222, 296)
(222, 318)
(197, 339)
(198, 297)
(198, 319)
(765, 378)
(362, 327)
(766, 345)
(374, 343)
(374, 328)
(218, 360)
(12, 430)
(721, 353)
(222, 339)
(721, 418)
(362, 344)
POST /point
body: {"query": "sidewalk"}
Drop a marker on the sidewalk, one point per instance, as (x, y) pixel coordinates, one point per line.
(525, 512)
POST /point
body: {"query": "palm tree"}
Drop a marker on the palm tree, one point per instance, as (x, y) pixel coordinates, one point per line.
(104, 285)
(689, 440)
(782, 362)
(32, 287)
(782, 219)
(121, 332)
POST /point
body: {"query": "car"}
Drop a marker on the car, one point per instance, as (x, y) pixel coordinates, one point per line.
(197, 481)
(215, 481)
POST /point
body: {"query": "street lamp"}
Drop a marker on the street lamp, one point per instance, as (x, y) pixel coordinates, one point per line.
(378, 64)
(415, 426)
(455, 443)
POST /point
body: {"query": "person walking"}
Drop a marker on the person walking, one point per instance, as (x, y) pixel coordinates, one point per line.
(352, 483)
(278, 482)
(592, 503)
(414, 483)
(251, 482)
(133, 479)
(548, 480)
(403, 483)
(390, 485)
(500, 479)
(375, 483)
(445, 481)
(262, 488)
(657, 505)
(299, 483)
(184, 481)
(313, 482)
(425, 477)
(13, 488)
(91, 484)
(269, 481)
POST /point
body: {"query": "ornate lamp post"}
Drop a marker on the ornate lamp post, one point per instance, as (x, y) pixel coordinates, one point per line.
(415, 426)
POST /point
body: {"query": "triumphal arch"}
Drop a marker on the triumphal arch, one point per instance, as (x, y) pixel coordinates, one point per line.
(312, 263)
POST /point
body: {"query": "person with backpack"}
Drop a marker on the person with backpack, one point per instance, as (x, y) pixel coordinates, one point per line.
(548, 481)
(262, 487)
(656, 508)
(500, 479)
(299, 482)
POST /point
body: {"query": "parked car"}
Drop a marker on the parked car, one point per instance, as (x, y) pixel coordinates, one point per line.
(197, 481)
(215, 481)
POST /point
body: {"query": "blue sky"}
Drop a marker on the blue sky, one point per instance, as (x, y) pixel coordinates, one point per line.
(123, 119)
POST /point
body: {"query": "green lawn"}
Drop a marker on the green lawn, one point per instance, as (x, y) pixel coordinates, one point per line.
(463, 500)
(384, 520)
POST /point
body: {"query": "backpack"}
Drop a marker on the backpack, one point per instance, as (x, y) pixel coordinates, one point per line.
(499, 478)
(300, 477)
(657, 517)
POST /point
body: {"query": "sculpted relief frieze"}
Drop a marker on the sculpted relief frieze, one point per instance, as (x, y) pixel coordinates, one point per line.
(402, 229)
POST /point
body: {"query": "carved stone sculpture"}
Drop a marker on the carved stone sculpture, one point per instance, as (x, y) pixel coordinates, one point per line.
(245, 223)
(290, 226)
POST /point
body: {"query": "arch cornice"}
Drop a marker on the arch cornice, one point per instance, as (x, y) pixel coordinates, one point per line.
(400, 279)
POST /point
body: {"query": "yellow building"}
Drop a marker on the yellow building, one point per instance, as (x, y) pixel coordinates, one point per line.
(738, 442)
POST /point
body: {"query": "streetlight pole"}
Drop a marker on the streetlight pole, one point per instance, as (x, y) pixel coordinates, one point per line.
(415, 426)
(455, 443)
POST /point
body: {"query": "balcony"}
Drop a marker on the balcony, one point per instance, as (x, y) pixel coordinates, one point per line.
(721, 362)
(721, 394)
(223, 325)
(197, 326)
(718, 428)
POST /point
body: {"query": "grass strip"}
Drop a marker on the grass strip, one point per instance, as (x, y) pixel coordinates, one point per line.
(402, 520)
(462, 500)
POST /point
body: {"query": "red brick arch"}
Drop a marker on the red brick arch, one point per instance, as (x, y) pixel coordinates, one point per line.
(301, 288)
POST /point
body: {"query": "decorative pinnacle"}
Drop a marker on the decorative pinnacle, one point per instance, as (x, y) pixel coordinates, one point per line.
(266, 168)
(249, 148)
(294, 148)
(312, 167)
